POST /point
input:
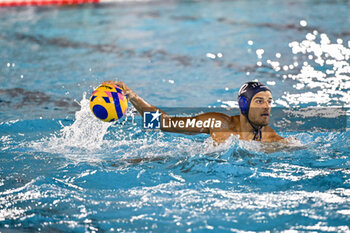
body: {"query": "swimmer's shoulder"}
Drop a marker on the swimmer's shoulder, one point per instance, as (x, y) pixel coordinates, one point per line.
(236, 120)
(224, 120)
(270, 135)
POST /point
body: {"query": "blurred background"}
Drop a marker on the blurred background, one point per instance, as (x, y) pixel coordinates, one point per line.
(62, 170)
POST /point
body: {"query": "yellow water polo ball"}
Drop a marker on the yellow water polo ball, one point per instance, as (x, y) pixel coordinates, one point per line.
(108, 103)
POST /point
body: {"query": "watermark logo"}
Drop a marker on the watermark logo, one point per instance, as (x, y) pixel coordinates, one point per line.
(297, 119)
(191, 123)
(151, 120)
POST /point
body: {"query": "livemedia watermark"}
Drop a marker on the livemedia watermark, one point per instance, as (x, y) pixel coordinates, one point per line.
(307, 119)
(153, 120)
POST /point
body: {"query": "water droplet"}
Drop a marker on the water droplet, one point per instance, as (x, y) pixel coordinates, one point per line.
(303, 23)
(310, 37)
(259, 52)
(211, 55)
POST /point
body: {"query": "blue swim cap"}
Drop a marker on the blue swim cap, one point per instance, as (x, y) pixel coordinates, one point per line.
(246, 94)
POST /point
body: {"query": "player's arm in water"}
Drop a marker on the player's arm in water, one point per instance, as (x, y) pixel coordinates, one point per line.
(141, 106)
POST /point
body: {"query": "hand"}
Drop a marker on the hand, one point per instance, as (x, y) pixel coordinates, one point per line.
(126, 90)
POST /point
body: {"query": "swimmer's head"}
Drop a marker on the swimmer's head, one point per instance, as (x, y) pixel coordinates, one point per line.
(254, 99)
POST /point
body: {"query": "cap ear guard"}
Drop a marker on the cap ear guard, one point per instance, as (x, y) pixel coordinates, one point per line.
(243, 105)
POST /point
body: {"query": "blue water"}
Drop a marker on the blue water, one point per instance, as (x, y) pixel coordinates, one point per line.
(62, 170)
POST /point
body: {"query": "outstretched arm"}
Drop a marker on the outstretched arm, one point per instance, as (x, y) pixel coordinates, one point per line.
(141, 106)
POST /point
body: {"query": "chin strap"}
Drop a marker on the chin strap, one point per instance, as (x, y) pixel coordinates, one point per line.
(257, 134)
(257, 131)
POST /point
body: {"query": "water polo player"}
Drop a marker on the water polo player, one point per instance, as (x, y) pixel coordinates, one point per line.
(254, 100)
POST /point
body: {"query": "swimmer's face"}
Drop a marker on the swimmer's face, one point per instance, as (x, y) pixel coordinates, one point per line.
(260, 108)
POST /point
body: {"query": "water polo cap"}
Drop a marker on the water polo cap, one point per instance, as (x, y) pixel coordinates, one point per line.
(245, 96)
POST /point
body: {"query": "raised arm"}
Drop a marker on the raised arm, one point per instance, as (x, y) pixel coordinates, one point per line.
(185, 125)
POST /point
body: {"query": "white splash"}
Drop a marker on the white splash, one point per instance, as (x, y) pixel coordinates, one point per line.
(86, 133)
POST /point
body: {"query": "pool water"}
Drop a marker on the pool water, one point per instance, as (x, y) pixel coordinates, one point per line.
(62, 170)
